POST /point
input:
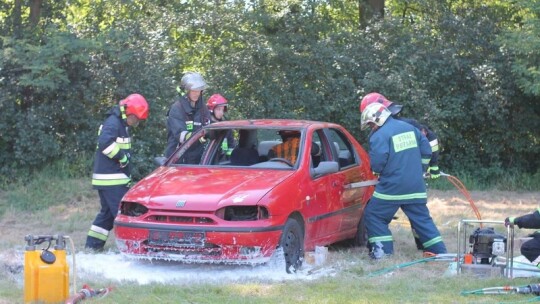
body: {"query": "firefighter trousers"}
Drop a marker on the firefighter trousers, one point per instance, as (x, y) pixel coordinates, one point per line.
(99, 231)
(379, 214)
(531, 249)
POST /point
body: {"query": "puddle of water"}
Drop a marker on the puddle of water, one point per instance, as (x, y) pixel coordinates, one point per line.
(117, 267)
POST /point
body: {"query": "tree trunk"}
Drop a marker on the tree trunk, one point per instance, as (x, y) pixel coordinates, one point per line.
(370, 9)
(35, 11)
(16, 19)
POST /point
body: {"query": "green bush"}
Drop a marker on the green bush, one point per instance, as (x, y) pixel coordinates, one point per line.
(458, 69)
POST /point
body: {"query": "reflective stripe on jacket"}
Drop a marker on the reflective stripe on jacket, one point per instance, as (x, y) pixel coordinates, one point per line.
(114, 143)
(399, 153)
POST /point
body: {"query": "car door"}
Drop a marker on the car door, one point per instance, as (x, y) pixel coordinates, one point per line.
(323, 213)
(349, 196)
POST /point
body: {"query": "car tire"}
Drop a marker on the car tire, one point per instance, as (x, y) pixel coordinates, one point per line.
(292, 244)
(361, 236)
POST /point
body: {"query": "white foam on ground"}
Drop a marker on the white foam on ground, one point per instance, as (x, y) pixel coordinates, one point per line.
(117, 267)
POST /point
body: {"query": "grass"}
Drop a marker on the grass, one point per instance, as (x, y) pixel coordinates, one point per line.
(502, 182)
(55, 203)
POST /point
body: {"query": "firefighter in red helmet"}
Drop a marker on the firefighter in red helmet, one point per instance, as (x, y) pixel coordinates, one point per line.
(433, 168)
(395, 110)
(112, 170)
(217, 105)
(399, 155)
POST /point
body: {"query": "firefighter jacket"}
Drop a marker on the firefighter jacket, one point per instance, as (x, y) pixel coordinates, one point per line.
(183, 120)
(399, 154)
(430, 135)
(114, 145)
(529, 220)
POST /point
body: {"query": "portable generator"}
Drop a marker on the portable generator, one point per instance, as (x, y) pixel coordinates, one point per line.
(485, 245)
(479, 250)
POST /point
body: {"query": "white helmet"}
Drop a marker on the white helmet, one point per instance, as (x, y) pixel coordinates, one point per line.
(192, 81)
(376, 113)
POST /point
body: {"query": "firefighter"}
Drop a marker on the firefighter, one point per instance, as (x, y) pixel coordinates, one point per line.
(399, 155)
(531, 248)
(112, 166)
(433, 171)
(217, 105)
(433, 168)
(188, 114)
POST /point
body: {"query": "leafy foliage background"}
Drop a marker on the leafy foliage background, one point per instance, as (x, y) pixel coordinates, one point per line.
(467, 69)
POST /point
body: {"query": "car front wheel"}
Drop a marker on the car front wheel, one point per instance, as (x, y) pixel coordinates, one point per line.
(292, 243)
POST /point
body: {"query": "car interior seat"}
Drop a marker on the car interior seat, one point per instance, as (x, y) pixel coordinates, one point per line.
(245, 154)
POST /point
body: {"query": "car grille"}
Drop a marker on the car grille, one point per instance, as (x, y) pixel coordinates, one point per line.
(206, 249)
(180, 219)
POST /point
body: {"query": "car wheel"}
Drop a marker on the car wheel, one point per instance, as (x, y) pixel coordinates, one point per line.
(292, 243)
(361, 237)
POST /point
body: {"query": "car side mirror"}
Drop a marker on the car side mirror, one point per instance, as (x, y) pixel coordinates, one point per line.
(160, 160)
(326, 167)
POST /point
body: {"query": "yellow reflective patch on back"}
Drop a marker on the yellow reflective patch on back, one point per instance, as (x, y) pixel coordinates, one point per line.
(404, 141)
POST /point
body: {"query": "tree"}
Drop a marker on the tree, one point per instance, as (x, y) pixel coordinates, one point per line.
(466, 68)
(370, 9)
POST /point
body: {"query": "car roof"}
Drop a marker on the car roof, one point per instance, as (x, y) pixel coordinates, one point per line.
(272, 123)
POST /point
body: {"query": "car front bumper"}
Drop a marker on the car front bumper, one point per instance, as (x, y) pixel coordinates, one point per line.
(198, 244)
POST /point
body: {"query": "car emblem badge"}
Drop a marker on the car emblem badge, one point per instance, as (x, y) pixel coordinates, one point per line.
(180, 204)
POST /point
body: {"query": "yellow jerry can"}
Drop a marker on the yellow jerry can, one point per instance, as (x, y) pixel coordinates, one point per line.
(46, 271)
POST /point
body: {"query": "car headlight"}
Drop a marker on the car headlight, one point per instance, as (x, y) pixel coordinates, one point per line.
(132, 209)
(242, 213)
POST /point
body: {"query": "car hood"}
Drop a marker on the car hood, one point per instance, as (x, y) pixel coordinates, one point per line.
(203, 188)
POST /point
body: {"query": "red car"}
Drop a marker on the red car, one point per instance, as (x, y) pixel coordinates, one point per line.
(240, 208)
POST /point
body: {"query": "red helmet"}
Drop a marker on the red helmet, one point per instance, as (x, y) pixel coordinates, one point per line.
(376, 97)
(216, 100)
(136, 104)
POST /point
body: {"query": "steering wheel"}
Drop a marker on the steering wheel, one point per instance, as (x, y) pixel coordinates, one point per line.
(283, 160)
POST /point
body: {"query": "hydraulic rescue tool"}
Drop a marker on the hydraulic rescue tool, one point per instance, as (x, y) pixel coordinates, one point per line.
(526, 289)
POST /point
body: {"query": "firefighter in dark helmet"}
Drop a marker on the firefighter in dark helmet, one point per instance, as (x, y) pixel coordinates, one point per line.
(188, 114)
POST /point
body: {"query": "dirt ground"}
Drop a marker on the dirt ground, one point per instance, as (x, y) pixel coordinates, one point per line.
(447, 209)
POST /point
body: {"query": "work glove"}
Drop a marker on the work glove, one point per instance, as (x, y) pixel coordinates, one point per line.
(434, 172)
(202, 140)
(509, 221)
(184, 136)
(124, 161)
